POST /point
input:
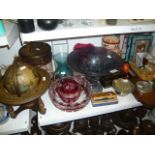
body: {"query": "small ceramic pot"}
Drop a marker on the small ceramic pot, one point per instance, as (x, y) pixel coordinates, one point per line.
(140, 112)
(57, 128)
(148, 127)
(98, 131)
(80, 126)
(111, 42)
(26, 25)
(127, 115)
(107, 125)
(125, 120)
(111, 21)
(94, 122)
(136, 130)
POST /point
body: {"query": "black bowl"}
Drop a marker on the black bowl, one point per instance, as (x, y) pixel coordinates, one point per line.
(48, 24)
(94, 61)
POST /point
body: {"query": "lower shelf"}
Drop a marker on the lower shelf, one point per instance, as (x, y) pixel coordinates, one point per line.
(20, 124)
(54, 115)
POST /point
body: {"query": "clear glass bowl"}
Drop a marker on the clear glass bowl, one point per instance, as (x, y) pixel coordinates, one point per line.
(123, 86)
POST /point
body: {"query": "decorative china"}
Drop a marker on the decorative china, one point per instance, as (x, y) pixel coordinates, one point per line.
(112, 42)
(70, 93)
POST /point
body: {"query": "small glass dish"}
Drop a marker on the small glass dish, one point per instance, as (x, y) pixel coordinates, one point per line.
(123, 86)
(4, 115)
(144, 87)
(111, 21)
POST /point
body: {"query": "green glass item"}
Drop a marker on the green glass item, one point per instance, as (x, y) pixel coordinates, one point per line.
(60, 57)
(2, 28)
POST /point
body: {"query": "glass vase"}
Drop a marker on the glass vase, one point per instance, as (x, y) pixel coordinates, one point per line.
(60, 54)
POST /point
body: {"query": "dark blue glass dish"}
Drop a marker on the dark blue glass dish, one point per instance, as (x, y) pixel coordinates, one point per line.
(94, 62)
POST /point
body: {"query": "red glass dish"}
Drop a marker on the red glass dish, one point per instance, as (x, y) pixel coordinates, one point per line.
(72, 102)
(69, 90)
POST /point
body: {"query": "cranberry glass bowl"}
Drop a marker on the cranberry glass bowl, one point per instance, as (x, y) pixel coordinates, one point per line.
(70, 93)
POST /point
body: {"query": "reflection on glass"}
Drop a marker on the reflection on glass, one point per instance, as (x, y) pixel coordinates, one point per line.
(67, 23)
(87, 22)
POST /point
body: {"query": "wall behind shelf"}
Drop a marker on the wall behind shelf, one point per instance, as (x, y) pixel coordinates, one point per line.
(7, 55)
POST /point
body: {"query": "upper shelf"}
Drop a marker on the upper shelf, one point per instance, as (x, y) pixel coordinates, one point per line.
(96, 28)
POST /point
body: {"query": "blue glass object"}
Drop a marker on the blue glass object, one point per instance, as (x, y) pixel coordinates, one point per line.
(94, 63)
(60, 57)
(2, 29)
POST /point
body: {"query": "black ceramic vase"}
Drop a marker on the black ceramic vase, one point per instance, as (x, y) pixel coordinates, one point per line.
(26, 25)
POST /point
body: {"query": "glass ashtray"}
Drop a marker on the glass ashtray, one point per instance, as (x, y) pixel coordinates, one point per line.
(144, 87)
(123, 86)
(70, 96)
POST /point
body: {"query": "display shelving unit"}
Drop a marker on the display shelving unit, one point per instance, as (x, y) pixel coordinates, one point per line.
(77, 30)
